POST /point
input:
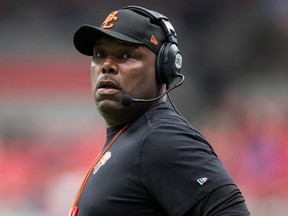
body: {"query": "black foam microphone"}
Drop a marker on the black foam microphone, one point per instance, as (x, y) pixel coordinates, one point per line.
(127, 100)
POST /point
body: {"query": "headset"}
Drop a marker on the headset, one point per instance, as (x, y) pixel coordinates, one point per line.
(169, 59)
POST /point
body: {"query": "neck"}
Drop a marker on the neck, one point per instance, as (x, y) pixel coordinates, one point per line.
(129, 114)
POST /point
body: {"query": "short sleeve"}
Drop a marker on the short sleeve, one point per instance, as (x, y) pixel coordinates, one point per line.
(178, 169)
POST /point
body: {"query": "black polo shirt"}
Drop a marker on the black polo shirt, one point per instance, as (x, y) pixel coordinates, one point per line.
(159, 165)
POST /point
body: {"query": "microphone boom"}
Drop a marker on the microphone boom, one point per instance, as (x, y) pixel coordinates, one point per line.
(127, 100)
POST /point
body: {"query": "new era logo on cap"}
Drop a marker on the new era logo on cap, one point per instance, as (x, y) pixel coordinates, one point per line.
(154, 40)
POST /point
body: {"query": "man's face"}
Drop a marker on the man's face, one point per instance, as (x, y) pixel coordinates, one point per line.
(120, 68)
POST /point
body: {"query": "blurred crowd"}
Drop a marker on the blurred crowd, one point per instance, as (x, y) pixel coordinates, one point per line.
(235, 93)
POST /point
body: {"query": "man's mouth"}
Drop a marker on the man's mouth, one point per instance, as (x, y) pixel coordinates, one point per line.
(107, 87)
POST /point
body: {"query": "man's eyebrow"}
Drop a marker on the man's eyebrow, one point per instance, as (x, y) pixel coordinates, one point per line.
(98, 43)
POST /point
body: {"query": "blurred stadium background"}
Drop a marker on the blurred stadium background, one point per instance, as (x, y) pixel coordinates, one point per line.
(235, 92)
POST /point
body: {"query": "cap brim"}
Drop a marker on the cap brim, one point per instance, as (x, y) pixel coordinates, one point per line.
(86, 36)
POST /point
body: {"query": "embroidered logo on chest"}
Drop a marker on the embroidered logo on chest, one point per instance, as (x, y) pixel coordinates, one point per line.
(102, 161)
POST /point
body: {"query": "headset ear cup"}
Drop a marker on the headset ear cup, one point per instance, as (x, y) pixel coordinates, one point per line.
(168, 63)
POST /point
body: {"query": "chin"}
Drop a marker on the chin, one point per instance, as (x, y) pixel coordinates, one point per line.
(108, 106)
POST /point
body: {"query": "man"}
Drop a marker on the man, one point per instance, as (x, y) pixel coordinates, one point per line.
(153, 163)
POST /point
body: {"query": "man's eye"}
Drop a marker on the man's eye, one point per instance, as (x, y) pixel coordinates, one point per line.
(128, 55)
(98, 54)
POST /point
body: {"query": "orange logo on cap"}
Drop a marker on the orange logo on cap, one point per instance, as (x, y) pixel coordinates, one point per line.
(154, 40)
(111, 17)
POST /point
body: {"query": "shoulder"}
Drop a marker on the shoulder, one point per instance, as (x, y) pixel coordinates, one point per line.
(169, 131)
(170, 139)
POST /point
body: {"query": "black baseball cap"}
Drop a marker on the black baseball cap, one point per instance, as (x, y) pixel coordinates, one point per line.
(125, 25)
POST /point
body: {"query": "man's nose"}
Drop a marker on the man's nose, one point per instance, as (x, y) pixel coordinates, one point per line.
(110, 65)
